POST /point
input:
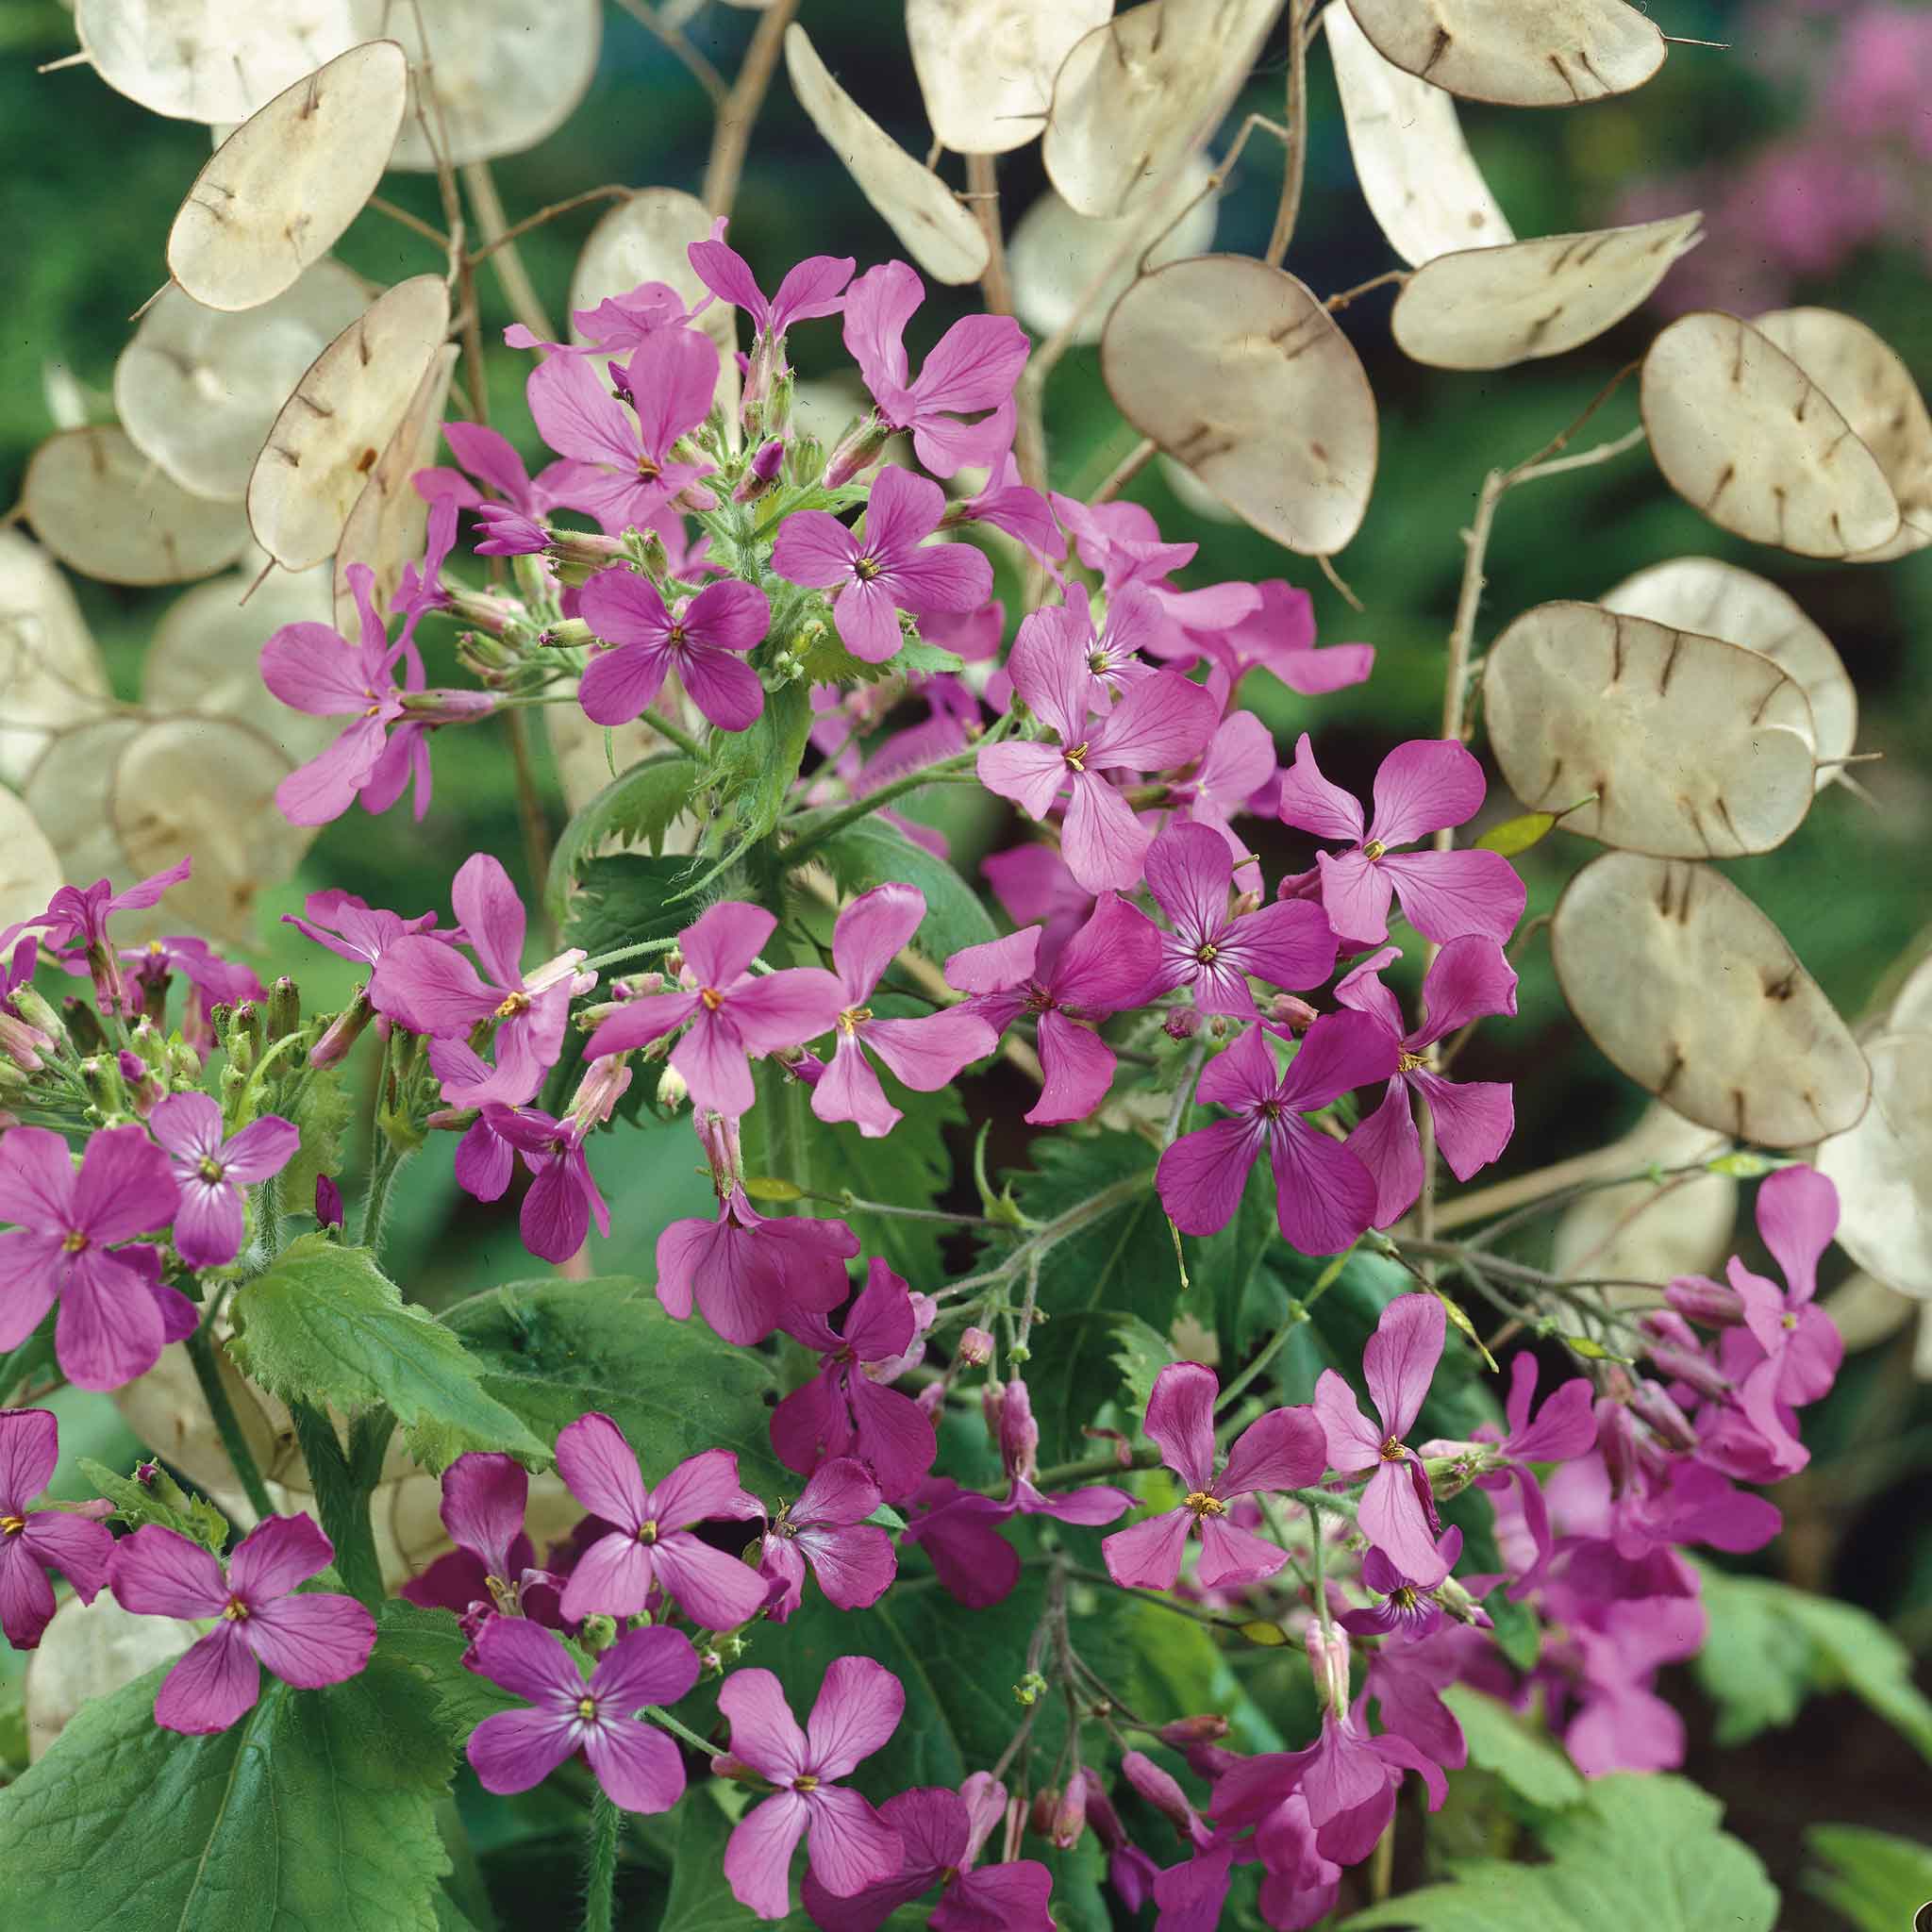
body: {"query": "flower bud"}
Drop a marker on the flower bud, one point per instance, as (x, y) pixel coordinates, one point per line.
(975, 1348)
(1101, 1815)
(244, 1037)
(673, 1090)
(1209, 1728)
(492, 615)
(78, 1022)
(1160, 1790)
(328, 1202)
(579, 554)
(101, 1075)
(761, 474)
(1329, 1659)
(1650, 1401)
(598, 1633)
(1070, 1814)
(184, 1064)
(1046, 1802)
(22, 1044)
(598, 1092)
(804, 459)
(1182, 1023)
(1019, 1432)
(857, 450)
(284, 1009)
(931, 1399)
(1286, 1010)
(342, 1031)
(1711, 1304)
(1457, 1602)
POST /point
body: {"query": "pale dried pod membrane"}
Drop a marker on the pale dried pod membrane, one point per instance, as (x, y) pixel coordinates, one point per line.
(1687, 988)
(214, 60)
(505, 74)
(1417, 174)
(1649, 1231)
(1138, 96)
(205, 787)
(1742, 433)
(1866, 1311)
(1054, 255)
(986, 67)
(86, 1651)
(1688, 747)
(51, 673)
(1236, 369)
(197, 390)
(1517, 53)
(30, 870)
(1491, 308)
(1882, 1166)
(166, 1409)
(66, 789)
(1870, 387)
(387, 527)
(939, 231)
(1911, 1006)
(104, 509)
(1719, 600)
(332, 430)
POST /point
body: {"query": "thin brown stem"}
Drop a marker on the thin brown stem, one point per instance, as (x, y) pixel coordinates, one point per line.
(416, 224)
(1126, 470)
(738, 112)
(1297, 117)
(479, 184)
(669, 37)
(1337, 302)
(612, 190)
(983, 197)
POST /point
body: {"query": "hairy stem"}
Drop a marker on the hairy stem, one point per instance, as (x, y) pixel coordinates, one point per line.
(801, 849)
(600, 1864)
(342, 1492)
(201, 1352)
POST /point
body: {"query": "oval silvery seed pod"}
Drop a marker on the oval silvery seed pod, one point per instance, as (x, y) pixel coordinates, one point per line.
(30, 870)
(66, 789)
(939, 231)
(278, 194)
(50, 666)
(104, 509)
(1685, 747)
(1489, 308)
(1236, 369)
(986, 67)
(331, 432)
(1742, 433)
(1687, 988)
(87, 1651)
(1882, 1166)
(1417, 174)
(1138, 96)
(197, 390)
(1719, 600)
(1517, 53)
(1911, 1007)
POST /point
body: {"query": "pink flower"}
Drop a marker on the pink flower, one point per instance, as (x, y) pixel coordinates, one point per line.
(1408, 1608)
(489, 1571)
(1399, 1362)
(1422, 786)
(1325, 1197)
(623, 470)
(973, 367)
(1189, 871)
(1034, 885)
(851, 1558)
(1237, 768)
(733, 1012)
(212, 980)
(891, 568)
(943, 1833)
(1105, 968)
(637, 1765)
(211, 1169)
(926, 1054)
(1163, 721)
(488, 454)
(77, 920)
(1282, 1451)
(814, 288)
(556, 1214)
(1473, 1119)
(429, 986)
(703, 642)
(652, 1542)
(859, 1707)
(1121, 542)
(115, 1314)
(306, 1640)
(1008, 504)
(1280, 637)
(842, 1410)
(33, 1541)
(353, 929)
(1565, 1428)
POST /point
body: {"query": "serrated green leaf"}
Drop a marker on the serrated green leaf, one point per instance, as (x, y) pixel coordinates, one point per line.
(1141, 1356)
(1880, 1882)
(623, 899)
(1526, 1759)
(550, 1350)
(701, 1899)
(1641, 1851)
(750, 773)
(163, 1502)
(314, 1812)
(430, 1644)
(322, 1115)
(870, 853)
(325, 1325)
(1222, 1270)
(635, 808)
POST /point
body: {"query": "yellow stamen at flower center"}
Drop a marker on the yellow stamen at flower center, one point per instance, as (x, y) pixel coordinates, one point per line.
(1374, 850)
(513, 1003)
(1408, 1062)
(647, 1532)
(155, 949)
(209, 1168)
(1208, 954)
(866, 568)
(1201, 1503)
(1096, 661)
(587, 1708)
(1788, 1320)
(807, 1783)
(74, 1244)
(1394, 1451)
(1404, 1598)
(11, 1526)
(235, 1610)
(648, 469)
(711, 997)
(852, 1018)
(1076, 757)
(675, 640)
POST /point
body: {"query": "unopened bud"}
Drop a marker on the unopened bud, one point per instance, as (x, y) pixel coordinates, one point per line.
(22, 1044)
(342, 1031)
(857, 450)
(975, 1348)
(597, 1633)
(284, 1009)
(598, 1092)
(1329, 1659)
(1030, 1689)
(931, 1399)
(762, 473)
(184, 1064)
(1457, 1602)
(1039, 1816)
(1650, 1401)
(804, 459)
(1709, 1303)
(244, 1037)
(1160, 1790)
(328, 1202)
(34, 1009)
(1069, 1815)
(673, 1090)
(1208, 1728)
(1286, 1010)
(108, 1090)
(1182, 1023)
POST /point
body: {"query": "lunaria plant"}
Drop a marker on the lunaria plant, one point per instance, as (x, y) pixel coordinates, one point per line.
(1169, 1527)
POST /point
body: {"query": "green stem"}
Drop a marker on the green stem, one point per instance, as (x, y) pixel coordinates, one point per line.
(676, 733)
(801, 849)
(669, 1724)
(1272, 1347)
(389, 1160)
(343, 1484)
(1336, 1505)
(853, 1205)
(643, 949)
(1092, 1466)
(201, 1352)
(600, 1871)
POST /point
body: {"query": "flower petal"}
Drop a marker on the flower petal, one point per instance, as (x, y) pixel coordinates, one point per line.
(764, 1731)
(929, 1054)
(277, 1555)
(1286, 1449)
(1446, 894)
(1232, 1558)
(515, 1750)
(1202, 1176)
(851, 1846)
(312, 1639)
(211, 1686)
(525, 1657)
(29, 1452)
(650, 1665)
(1399, 1361)
(757, 1856)
(1423, 786)
(638, 1766)
(125, 1186)
(1148, 1556)
(1310, 802)
(857, 1708)
(600, 1469)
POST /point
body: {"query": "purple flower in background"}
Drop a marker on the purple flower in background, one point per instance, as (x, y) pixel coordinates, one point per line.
(1565, 1428)
(1034, 885)
(851, 1558)
(1105, 968)
(1280, 637)
(1161, 721)
(1288, 945)
(1283, 1450)
(1408, 1608)
(850, 1846)
(32, 1540)
(489, 456)
(1238, 765)
(353, 929)
(212, 980)
(1120, 540)
(1299, 1886)
(943, 1833)
(306, 1640)
(973, 368)
(814, 288)
(212, 1169)
(891, 568)
(637, 1765)
(77, 921)
(489, 1571)
(733, 1012)
(1468, 980)
(926, 1054)
(115, 1314)
(1325, 1197)
(652, 1542)
(1399, 1362)
(703, 642)
(1009, 505)
(1422, 787)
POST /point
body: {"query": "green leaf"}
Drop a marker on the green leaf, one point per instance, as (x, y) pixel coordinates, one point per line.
(430, 1644)
(1525, 1759)
(314, 1812)
(1517, 835)
(625, 899)
(701, 1900)
(636, 809)
(870, 853)
(1641, 1851)
(1222, 1270)
(322, 1115)
(325, 1324)
(751, 770)
(1880, 1881)
(550, 1350)
(162, 1500)
(1140, 1356)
